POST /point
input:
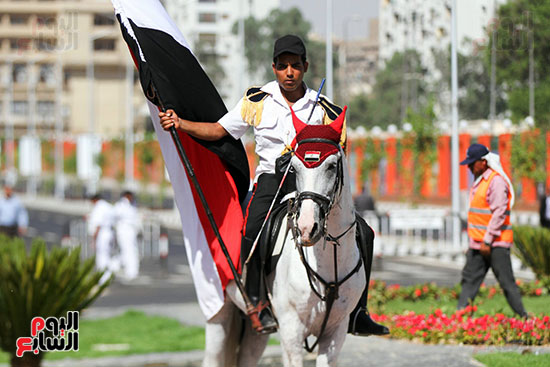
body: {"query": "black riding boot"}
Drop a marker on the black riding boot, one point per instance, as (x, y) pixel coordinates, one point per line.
(360, 322)
(256, 292)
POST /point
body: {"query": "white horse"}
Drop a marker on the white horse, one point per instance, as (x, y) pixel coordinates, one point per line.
(317, 282)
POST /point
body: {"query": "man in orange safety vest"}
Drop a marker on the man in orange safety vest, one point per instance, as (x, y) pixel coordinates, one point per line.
(489, 228)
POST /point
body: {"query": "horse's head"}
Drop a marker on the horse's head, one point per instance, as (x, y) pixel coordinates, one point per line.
(319, 176)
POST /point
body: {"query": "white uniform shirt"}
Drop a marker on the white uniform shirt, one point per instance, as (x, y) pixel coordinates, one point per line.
(102, 216)
(127, 214)
(276, 130)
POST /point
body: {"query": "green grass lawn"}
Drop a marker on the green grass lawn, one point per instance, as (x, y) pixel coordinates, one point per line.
(498, 304)
(513, 360)
(131, 333)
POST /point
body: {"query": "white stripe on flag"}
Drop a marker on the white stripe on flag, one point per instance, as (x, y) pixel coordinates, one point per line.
(205, 274)
(148, 14)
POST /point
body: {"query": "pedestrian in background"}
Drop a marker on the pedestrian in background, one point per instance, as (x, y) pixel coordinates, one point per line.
(14, 218)
(128, 225)
(364, 201)
(100, 227)
(489, 228)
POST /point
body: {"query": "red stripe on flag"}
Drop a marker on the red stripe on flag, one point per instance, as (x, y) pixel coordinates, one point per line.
(223, 199)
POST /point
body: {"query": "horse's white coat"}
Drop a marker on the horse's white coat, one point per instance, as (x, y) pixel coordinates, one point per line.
(299, 310)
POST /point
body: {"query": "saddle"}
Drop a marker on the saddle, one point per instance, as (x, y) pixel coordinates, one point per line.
(273, 237)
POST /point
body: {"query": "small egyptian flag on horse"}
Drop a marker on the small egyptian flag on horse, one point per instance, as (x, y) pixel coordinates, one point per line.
(171, 77)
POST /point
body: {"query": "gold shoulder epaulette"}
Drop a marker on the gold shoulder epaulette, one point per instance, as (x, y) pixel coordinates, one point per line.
(253, 105)
(332, 111)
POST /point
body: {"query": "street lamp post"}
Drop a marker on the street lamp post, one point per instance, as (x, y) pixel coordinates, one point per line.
(328, 56)
(8, 124)
(90, 75)
(59, 191)
(454, 134)
(129, 141)
(31, 127)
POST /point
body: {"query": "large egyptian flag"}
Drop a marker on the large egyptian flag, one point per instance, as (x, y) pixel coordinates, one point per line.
(171, 77)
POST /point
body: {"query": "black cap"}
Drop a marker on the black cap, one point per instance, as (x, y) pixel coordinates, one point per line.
(475, 152)
(291, 44)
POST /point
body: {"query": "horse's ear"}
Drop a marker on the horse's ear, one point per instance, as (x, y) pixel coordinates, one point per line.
(338, 124)
(298, 124)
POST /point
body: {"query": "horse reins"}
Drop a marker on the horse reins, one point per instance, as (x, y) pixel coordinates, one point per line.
(325, 203)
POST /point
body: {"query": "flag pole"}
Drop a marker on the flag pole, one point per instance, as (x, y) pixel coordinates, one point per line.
(251, 311)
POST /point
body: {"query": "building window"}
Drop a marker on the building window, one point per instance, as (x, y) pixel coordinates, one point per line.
(104, 19)
(46, 74)
(207, 18)
(19, 73)
(45, 44)
(104, 44)
(47, 20)
(20, 44)
(207, 39)
(19, 19)
(20, 108)
(45, 109)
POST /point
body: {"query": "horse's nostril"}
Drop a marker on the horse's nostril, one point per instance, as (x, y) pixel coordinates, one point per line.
(314, 229)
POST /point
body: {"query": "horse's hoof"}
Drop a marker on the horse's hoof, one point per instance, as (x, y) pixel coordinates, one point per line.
(361, 324)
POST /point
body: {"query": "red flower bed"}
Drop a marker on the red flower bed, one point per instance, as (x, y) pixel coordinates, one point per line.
(460, 327)
(380, 292)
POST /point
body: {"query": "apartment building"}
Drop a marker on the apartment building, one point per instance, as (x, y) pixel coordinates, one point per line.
(425, 25)
(65, 60)
(207, 25)
(359, 63)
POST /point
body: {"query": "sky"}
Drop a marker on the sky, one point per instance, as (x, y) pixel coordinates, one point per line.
(350, 16)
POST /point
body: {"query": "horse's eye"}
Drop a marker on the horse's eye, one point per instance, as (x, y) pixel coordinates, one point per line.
(331, 167)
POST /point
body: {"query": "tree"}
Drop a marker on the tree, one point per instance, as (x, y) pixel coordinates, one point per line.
(358, 110)
(422, 141)
(474, 83)
(399, 84)
(259, 38)
(519, 22)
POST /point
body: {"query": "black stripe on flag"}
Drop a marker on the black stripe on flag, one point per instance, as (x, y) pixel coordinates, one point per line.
(182, 85)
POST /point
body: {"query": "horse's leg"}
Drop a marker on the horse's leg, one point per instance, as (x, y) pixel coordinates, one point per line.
(292, 339)
(219, 332)
(330, 346)
(252, 347)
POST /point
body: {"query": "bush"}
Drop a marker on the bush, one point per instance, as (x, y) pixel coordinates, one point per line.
(40, 283)
(532, 247)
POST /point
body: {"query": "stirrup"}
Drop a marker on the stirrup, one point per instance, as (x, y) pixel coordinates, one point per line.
(268, 322)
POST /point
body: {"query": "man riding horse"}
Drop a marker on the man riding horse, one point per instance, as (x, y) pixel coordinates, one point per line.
(268, 110)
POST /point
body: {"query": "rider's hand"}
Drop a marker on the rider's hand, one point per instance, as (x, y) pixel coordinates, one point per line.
(169, 119)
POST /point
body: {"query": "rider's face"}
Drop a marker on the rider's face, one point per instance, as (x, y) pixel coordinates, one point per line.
(289, 70)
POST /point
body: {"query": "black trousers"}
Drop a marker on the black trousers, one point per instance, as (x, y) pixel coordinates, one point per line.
(258, 206)
(10, 231)
(475, 270)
